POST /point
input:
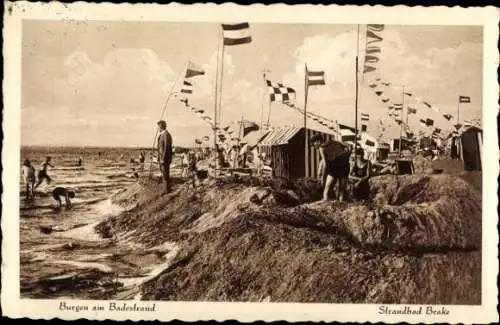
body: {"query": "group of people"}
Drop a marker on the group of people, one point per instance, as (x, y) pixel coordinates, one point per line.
(33, 180)
(338, 166)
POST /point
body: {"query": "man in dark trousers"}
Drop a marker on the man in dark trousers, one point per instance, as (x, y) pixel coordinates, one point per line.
(334, 165)
(164, 153)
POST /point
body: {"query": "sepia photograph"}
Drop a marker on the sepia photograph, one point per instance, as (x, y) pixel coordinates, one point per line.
(251, 161)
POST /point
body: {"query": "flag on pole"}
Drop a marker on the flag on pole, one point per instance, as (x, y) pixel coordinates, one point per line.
(458, 126)
(379, 93)
(364, 127)
(249, 127)
(365, 117)
(408, 94)
(423, 122)
(429, 122)
(187, 87)
(412, 110)
(385, 100)
(280, 93)
(315, 78)
(447, 116)
(193, 70)
(463, 99)
(236, 34)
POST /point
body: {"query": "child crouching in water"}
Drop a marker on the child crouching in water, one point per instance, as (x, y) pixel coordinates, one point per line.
(64, 192)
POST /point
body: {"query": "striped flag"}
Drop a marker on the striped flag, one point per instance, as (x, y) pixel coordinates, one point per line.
(315, 78)
(236, 34)
(429, 122)
(365, 117)
(463, 99)
(412, 110)
(187, 87)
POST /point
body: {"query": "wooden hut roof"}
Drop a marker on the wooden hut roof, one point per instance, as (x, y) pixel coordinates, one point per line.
(280, 136)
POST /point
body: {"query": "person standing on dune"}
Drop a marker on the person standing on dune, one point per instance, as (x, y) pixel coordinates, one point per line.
(164, 153)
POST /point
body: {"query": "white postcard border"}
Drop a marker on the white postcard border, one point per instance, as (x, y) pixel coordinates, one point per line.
(15, 307)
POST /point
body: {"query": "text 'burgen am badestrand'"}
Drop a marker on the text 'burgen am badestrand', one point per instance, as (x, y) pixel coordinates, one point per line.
(112, 306)
(413, 310)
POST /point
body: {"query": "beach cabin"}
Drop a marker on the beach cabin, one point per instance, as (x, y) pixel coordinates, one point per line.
(285, 148)
(471, 148)
(383, 150)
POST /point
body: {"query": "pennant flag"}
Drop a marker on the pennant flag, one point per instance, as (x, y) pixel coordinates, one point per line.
(226, 128)
(197, 141)
(365, 117)
(206, 138)
(185, 101)
(378, 79)
(199, 111)
(368, 68)
(423, 122)
(398, 108)
(371, 59)
(364, 127)
(399, 121)
(371, 37)
(412, 110)
(187, 87)
(207, 118)
(373, 86)
(390, 107)
(386, 83)
(408, 94)
(236, 34)
(249, 127)
(279, 93)
(315, 78)
(372, 50)
(447, 116)
(463, 99)
(379, 93)
(193, 70)
(458, 126)
(369, 143)
(385, 100)
(427, 104)
(429, 122)
(375, 27)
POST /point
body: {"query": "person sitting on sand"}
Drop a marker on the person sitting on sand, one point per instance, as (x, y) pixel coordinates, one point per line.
(64, 192)
(334, 166)
(29, 178)
(360, 172)
(42, 173)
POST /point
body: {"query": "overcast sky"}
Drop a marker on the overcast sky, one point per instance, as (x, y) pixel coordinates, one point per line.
(105, 83)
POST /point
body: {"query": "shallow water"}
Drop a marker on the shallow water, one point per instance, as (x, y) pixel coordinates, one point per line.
(61, 254)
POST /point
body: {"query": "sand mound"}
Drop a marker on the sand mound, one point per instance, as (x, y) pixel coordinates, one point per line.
(251, 240)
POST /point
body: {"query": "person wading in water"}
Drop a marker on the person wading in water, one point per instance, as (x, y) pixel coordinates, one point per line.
(164, 153)
(42, 173)
(334, 165)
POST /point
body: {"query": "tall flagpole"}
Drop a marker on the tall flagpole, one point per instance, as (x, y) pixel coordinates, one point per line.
(161, 116)
(401, 125)
(458, 110)
(216, 151)
(356, 97)
(306, 86)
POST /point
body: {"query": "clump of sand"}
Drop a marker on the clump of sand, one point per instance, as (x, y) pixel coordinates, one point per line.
(418, 241)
